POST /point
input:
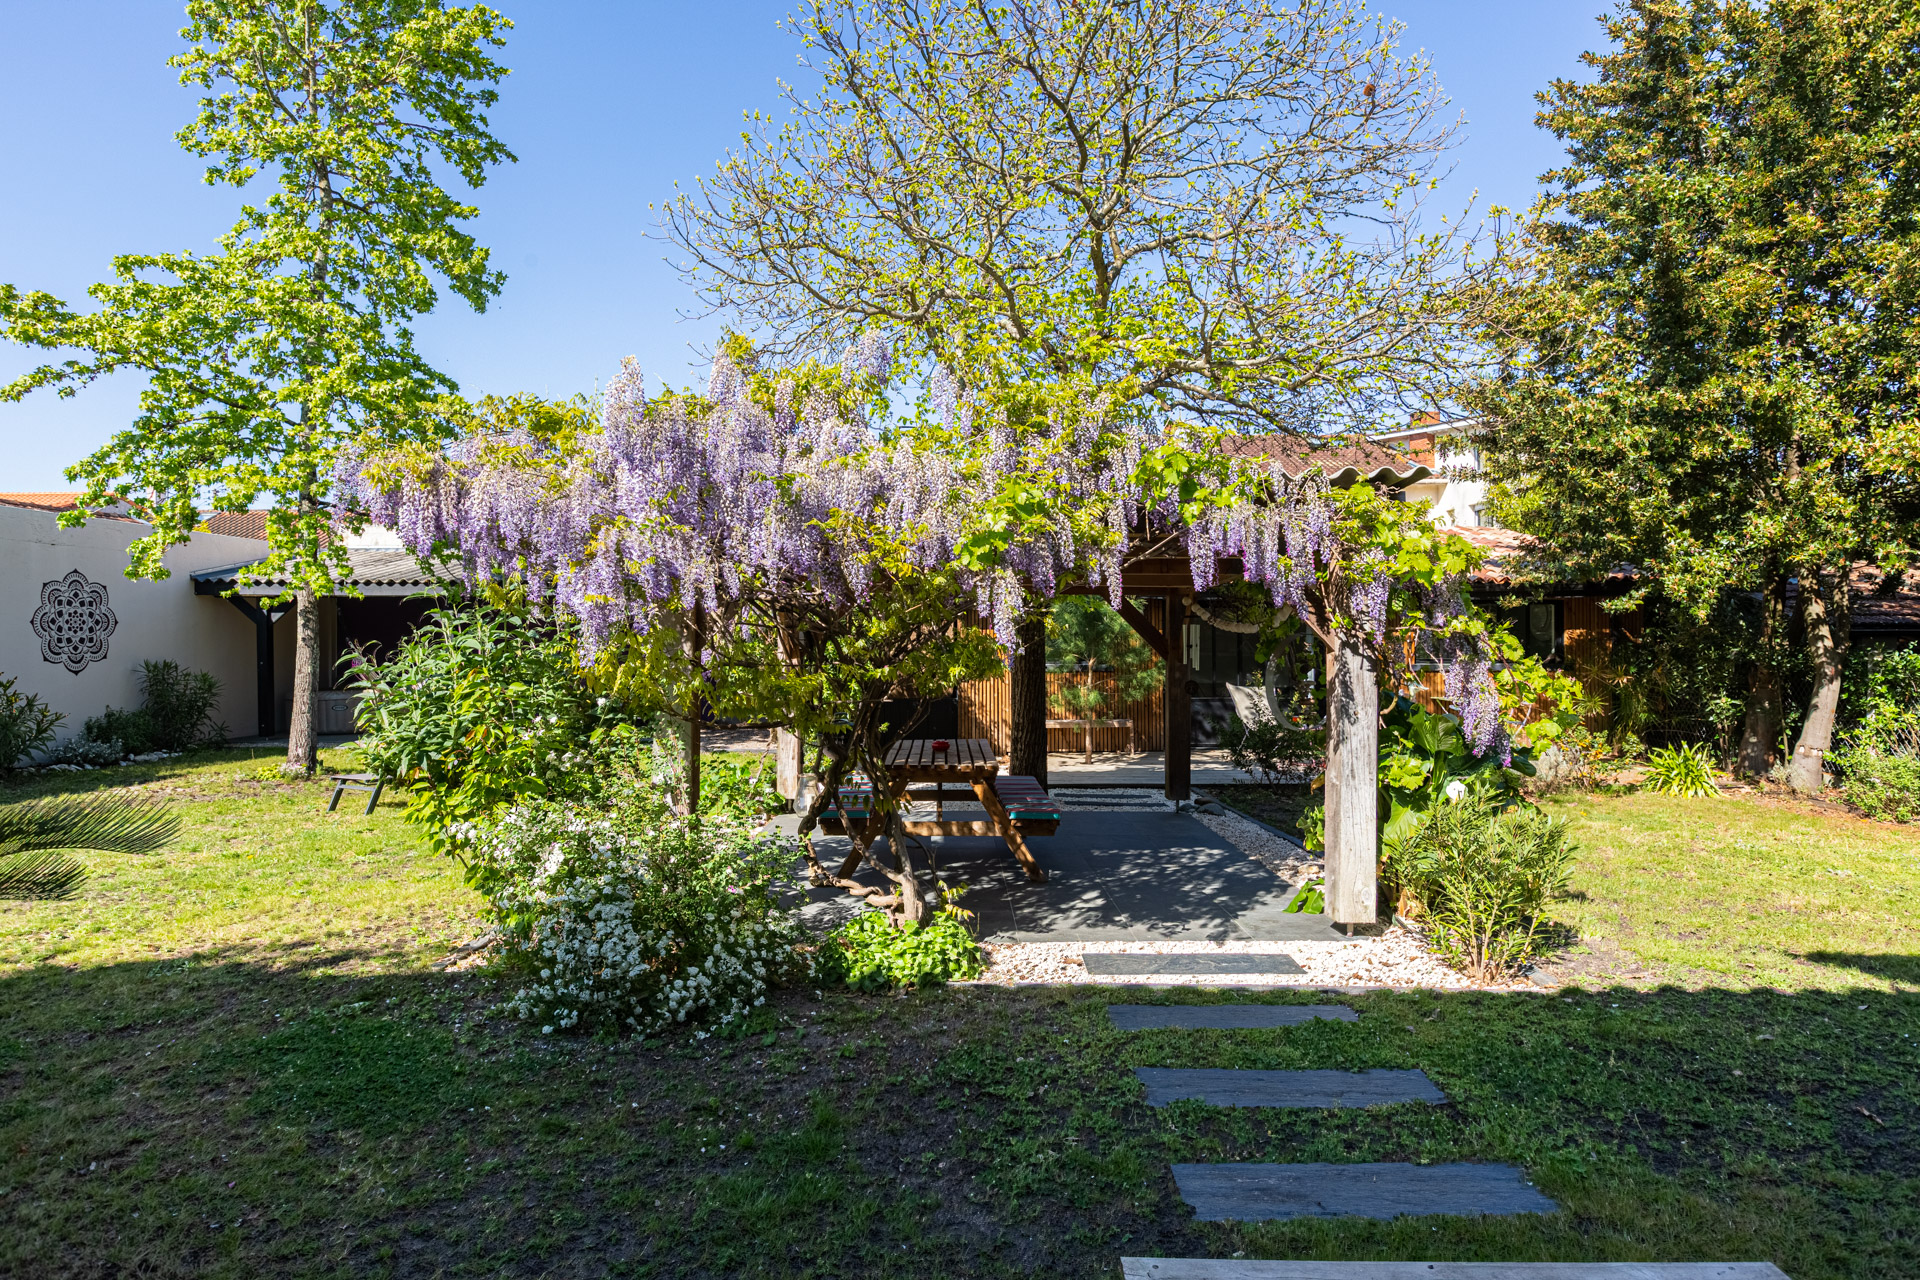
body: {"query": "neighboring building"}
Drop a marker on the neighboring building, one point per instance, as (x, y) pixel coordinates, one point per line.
(396, 592)
(77, 628)
(82, 627)
(1453, 491)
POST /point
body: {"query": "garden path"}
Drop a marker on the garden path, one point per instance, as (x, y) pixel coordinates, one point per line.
(1382, 1190)
(1113, 875)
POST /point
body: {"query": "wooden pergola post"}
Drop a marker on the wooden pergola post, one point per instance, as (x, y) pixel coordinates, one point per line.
(1352, 786)
(1177, 702)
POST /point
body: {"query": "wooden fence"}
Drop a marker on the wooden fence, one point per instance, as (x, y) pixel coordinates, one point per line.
(986, 712)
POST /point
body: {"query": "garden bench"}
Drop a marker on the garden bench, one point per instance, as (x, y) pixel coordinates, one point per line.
(372, 783)
(1120, 722)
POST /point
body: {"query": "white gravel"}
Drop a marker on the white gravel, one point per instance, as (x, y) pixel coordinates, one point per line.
(1398, 959)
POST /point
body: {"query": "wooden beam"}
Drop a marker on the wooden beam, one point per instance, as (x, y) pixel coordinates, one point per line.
(1353, 783)
(1144, 629)
(1178, 703)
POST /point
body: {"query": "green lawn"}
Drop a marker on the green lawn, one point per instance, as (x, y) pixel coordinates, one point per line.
(233, 1059)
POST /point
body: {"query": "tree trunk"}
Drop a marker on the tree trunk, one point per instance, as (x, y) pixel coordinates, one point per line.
(1765, 698)
(1027, 701)
(695, 642)
(303, 736)
(1176, 704)
(693, 760)
(1353, 785)
(1825, 607)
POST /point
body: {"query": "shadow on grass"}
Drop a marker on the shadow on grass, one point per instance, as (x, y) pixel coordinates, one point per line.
(240, 1114)
(1893, 968)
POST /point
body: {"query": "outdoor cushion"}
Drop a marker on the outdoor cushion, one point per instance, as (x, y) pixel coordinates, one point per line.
(856, 798)
(1025, 798)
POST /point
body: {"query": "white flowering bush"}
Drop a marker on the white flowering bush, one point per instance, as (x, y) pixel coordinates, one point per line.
(630, 918)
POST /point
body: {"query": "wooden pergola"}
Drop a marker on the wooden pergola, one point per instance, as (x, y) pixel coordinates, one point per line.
(1161, 569)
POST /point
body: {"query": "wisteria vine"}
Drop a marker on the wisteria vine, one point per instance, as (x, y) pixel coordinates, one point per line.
(677, 502)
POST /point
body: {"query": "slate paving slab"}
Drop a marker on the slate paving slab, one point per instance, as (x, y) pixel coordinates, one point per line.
(1246, 1269)
(1263, 1192)
(1112, 876)
(1320, 1089)
(1103, 964)
(1223, 1017)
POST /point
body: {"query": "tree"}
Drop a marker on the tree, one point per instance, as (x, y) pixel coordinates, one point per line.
(1705, 337)
(761, 552)
(1211, 205)
(1085, 632)
(263, 357)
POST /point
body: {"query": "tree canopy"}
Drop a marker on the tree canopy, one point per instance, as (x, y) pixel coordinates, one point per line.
(1704, 335)
(264, 356)
(1212, 208)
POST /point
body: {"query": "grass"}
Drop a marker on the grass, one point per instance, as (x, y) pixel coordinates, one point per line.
(213, 1067)
(1742, 891)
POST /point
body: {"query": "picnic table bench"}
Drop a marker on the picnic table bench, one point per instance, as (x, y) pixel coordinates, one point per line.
(1017, 807)
(372, 783)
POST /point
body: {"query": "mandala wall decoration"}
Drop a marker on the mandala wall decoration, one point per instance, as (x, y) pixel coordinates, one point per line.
(73, 622)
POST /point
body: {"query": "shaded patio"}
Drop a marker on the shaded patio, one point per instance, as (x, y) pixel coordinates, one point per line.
(1133, 872)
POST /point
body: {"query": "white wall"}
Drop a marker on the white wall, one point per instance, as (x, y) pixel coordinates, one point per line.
(1455, 488)
(153, 620)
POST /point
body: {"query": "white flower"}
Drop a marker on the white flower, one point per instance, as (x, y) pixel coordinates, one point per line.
(1456, 790)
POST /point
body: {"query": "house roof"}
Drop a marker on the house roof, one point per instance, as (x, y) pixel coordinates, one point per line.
(1342, 461)
(1437, 427)
(56, 503)
(42, 501)
(376, 571)
(1506, 548)
(237, 524)
(1881, 612)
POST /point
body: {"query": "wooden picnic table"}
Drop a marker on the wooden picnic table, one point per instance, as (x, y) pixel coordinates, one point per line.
(969, 761)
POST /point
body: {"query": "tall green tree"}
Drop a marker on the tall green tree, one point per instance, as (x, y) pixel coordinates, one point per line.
(1706, 332)
(1202, 209)
(265, 356)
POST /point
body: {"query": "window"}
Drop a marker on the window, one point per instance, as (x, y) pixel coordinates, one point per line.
(1541, 637)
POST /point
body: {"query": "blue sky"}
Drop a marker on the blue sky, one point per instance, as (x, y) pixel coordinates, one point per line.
(609, 105)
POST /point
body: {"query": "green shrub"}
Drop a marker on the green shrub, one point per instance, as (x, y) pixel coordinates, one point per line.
(1883, 785)
(628, 918)
(1271, 749)
(868, 953)
(84, 753)
(27, 725)
(1481, 877)
(1685, 770)
(481, 709)
(175, 713)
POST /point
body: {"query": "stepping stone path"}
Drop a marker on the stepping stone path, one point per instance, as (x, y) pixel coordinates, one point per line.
(1258, 1192)
(1235, 1269)
(1103, 964)
(1264, 1192)
(1223, 1017)
(1320, 1089)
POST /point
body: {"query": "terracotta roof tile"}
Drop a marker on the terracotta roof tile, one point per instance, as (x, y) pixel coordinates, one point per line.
(1341, 460)
(238, 524)
(42, 501)
(1875, 611)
